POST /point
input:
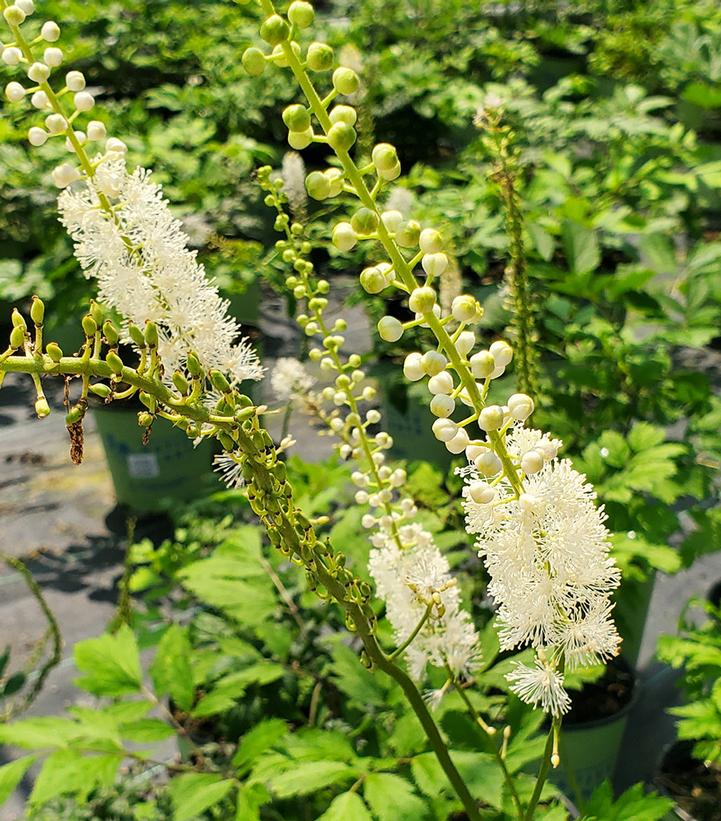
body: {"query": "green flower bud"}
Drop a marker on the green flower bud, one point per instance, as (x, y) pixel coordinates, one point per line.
(344, 114)
(345, 80)
(151, 334)
(136, 335)
(364, 221)
(407, 235)
(253, 61)
(491, 418)
(422, 300)
(279, 55)
(296, 117)
(372, 280)
(466, 308)
(384, 156)
(390, 329)
(344, 237)
(275, 30)
(90, 326)
(37, 310)
(115, 362)
(54, 351)
(17, 337)
(434, 264)
(18, 320)
(391, 174)
(341, 136)
(301, 14)
(319, 57)
(101, 390)
(145, 419)
(430, 241)
(219, 382)
(110, 332)
(482, 364)
(335, 179)
(14, 15)
(42, 409)
(317, 185)
(300, 139)
(192, 363)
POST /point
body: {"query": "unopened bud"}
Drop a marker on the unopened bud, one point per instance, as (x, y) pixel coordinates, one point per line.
(42, 409)
(219, 382)
(17, 337)
(115, 362)
(180, 382)
(345, 80)
(101, 390)
(151, 334)
(90, 326)
(319, 57)
(110, 332)
(274, 30)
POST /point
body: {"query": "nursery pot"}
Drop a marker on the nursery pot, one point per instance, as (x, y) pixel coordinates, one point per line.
(150, 477)
(245, 305)
(694, 787)
(631, 611)
(589, 748)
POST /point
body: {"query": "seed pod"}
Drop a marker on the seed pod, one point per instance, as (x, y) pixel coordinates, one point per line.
(219, 382)
(74, 415)
(96, 312)
(37, 310)
(136, 335)
(17, 337)
(145, 419)
(115, 362)
(180, 382)
(151, 334)
(18, 320)
(193, 365)
(110, 332)
(90, 326)
(101, 390)
(54, 351)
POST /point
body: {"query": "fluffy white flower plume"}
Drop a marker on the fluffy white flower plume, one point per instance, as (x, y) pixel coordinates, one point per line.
(409, 580)
(547, 554)
(289, 379)
(138, 253)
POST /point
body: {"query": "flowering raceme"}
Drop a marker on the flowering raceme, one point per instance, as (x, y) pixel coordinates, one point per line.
(138, 253)
(547, 553)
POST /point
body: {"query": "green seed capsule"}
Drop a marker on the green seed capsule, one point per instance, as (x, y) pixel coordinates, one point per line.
(145, 419)
(37, 311)
(101, 390)
(90, 326)
(115, 362)
(136, 335)
(193, 365)
(17, 337)
(301, 14)
(151, 334)
(219, 382)
(345, 80)
(364, 221)
(54, 351)
(317, 185)
(180, 382)
(96, 312)
(18, 320)
(42, 409)
(74, 415)
(110, 332)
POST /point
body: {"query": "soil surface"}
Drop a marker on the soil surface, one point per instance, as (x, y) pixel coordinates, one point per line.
(604, 697)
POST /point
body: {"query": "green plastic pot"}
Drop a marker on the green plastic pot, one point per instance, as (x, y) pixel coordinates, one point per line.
(409, 422)
(245, 305)
(631, 612)
(589, 752)
(152, 477)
